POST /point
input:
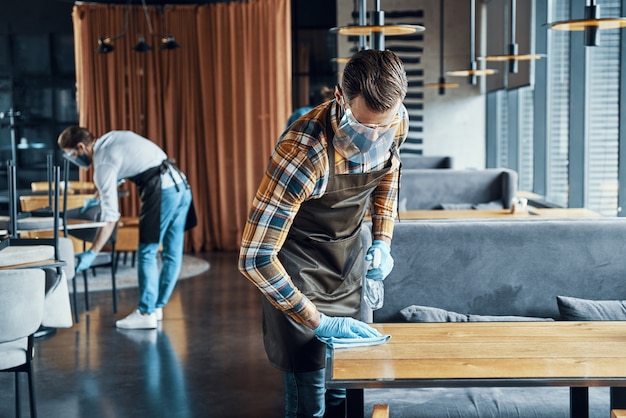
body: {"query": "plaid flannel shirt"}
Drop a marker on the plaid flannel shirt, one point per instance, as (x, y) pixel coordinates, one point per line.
(298, 171)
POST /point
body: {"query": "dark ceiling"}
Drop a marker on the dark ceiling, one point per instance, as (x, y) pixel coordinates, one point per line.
(153, 2)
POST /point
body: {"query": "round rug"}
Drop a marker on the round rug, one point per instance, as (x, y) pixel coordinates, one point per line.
(126, 276)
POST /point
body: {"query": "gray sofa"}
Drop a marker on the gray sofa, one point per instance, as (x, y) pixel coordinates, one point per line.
(473, 270)
(425, 161)
(433, 188)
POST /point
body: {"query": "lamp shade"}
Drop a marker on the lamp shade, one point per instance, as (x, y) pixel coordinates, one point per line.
(591, 24)
(582, 24)
(168, 43)
(387, 30)
(142, 45)
(104, 46)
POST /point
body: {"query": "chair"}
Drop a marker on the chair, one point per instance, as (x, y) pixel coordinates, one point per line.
(87, 235)
(30, 203)
(425, 161)
(75, 186)
(21, 313)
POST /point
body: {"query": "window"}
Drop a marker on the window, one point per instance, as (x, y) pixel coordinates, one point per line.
(581, 109)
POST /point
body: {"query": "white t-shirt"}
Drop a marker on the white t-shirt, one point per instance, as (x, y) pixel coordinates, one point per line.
(121, 154)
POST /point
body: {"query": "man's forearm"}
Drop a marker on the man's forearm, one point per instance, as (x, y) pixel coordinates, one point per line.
(103, 235)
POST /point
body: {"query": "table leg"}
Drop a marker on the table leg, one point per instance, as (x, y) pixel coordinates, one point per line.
(355, 403)
(579, 402)
(618, 398)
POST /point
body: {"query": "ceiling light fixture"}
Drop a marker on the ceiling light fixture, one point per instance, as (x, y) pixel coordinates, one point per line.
(513, 56)
(590, 24)
(473, 72)
(441, 84)
(377, 29)
(105, 43)
(168, 42)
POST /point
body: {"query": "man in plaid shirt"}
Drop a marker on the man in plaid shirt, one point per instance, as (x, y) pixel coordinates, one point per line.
(301, 246)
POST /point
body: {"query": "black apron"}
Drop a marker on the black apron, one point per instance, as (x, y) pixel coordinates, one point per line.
(323, 255)
(149, 186)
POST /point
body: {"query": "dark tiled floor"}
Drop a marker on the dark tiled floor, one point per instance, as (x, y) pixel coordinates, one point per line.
(205, 360)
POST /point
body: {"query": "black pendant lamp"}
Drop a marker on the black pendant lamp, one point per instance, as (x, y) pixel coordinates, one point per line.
(473, 71)
(377, 30)
(591, 24)
(512, 56)
(167, 42)
(441, 84)
(105, 43)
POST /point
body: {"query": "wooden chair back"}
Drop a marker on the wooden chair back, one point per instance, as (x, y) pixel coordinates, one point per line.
(30, 203)
(74, 186)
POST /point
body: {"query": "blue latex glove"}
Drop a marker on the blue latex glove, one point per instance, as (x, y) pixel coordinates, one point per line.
(381, 262)
(344, 327)
(84, 260)
(89, 203)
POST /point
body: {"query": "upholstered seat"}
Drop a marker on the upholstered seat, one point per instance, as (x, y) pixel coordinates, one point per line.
(22, 254)
(29, 223)
(21, 313)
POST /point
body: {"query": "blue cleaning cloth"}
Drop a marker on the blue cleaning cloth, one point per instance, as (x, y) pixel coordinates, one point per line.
(335, 342)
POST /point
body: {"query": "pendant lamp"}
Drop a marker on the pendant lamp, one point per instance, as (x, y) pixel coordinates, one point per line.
(168, 42)
(376, 30)
(472, 72)
(441, 84)
(362, 39)
(105, 43)
(513, 56)
(590, 24)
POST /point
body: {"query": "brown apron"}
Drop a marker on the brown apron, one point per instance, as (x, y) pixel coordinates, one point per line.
(323, 255)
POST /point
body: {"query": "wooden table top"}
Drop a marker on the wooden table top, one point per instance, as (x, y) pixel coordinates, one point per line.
(71, 225)
(530, 213)
(486, 354)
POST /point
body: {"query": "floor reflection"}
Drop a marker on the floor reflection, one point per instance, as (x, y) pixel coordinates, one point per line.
(164, 389)
(205, 360)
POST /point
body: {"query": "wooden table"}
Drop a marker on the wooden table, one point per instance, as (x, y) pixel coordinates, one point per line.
(531, 213)
(574, 354)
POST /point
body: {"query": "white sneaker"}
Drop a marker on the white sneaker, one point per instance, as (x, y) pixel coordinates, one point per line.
(137, 320)
(159, 314)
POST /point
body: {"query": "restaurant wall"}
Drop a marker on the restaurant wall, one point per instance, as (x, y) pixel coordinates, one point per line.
(449, 124)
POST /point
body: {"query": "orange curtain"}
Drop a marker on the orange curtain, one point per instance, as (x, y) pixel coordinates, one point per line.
(217, 104)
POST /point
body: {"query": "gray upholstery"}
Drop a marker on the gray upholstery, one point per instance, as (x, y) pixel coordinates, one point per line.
(499, 267)
(21, 313)
(435, 188)
(484, 402)
(22, 254)
(425, 161)
(29, 223)
(21, 309)
(509, 267)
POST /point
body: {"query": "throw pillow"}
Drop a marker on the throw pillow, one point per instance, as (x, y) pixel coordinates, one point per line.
(455, 206)
(416, 313)
(575, 309)
(493, 205)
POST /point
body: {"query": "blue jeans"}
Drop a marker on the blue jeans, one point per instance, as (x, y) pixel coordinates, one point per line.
(156, 288)
(306, 396)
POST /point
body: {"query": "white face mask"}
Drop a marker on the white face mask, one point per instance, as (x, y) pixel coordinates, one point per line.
(359, 143)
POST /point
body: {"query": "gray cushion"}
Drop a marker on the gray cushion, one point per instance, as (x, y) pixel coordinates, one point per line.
(30, 223)
(416, 313)
(493, 205)
(484, 402)
(22, 254)
(428, 188)
(455, 206)
(575, 309)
